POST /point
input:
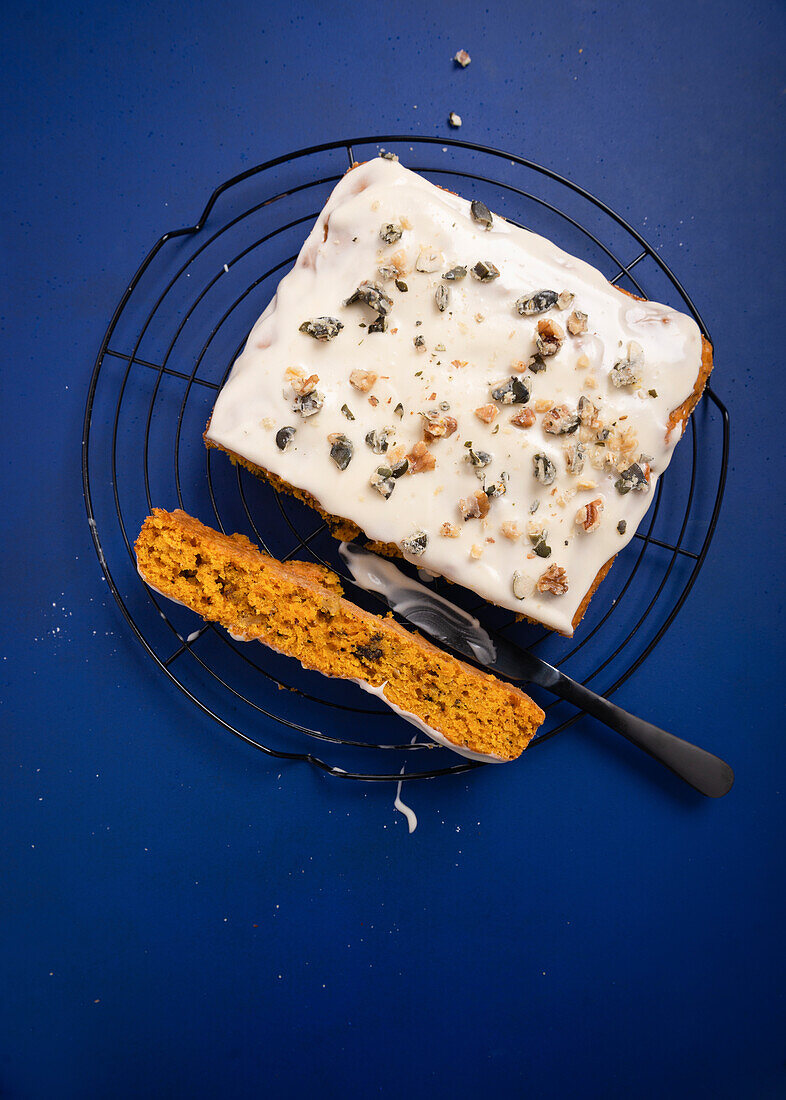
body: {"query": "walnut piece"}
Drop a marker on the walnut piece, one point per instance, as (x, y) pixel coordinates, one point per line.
(524, 418)
(589, 516)
(475, 506)
(554, 580)
(300, 383)
(549, 338)
(577, 323)
(421, 459)
(487, 413)
(438, 427)
(560, 421)
(510, 529)
(362, 380)
(449, 531)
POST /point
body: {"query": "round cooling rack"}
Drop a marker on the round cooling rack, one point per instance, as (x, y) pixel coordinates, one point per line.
(169, 347)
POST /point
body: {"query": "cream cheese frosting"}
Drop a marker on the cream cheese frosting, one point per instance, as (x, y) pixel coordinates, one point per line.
(529, 397)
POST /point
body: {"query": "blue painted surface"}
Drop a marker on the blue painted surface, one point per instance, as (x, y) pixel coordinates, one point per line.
(183, 917)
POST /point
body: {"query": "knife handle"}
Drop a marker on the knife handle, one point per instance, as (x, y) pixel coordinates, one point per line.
(703, 771)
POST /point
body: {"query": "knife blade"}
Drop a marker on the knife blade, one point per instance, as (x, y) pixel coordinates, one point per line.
(461, 632)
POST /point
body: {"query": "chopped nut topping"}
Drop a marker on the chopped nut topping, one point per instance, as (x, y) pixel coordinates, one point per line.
(428, 260)
(390, 233)
(476, 551)
(622, 526)
(383, 481)
(399, 261)
(582, 362)
(377, 440)
(416, 543)
(267, 422)
(565, 300)
(373, 296)
(588, 414)
(456, 273)
(284, 437)
(586, 483)
(438, 427)
(510, 529)
(449, 531)
(481, 213)
(341, 449)
(577, 323)
(462, 58)
(589, 515)
(543, 404)
(627, 372)
(549, 338)
(560, 421)
(300, 383)
(322, 328)
(475, 506)
(575, 453)
(538, 302)
(485, 271)
(523, 586)
(513, 391)
(421, 459)
(373, 401)
(544, 469)
(458, 363)
(524, 418)
(362, 380)
(591, 382)
(487, 413)
(632, 478)
(566, 495)
(554, 580)
(442, 297)
(454, 120)
(420, 343)
(309, 403)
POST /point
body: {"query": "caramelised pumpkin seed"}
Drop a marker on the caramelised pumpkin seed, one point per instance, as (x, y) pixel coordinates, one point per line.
(485, 271)
(322, 328)
(341, 450)
(284, 437)
(481, 213)
(531, 304)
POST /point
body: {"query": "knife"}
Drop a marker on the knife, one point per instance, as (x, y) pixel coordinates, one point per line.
(461, 632)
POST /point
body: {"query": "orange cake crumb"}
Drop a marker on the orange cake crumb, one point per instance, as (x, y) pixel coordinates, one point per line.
(298, 609)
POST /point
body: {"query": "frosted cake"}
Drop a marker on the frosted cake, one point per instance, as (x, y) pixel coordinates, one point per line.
(464, 392)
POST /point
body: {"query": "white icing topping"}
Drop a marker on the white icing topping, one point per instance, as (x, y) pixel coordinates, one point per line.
(483, 337)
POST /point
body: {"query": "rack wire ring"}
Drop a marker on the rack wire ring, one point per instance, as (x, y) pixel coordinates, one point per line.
(305, 544)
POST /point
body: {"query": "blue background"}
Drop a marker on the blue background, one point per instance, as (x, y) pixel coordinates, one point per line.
(184, 917)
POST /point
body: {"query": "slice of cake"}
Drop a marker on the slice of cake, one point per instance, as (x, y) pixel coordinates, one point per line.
(297, 608)
(464, 392)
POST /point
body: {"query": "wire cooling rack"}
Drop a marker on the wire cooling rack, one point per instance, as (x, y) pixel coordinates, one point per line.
(169, 347)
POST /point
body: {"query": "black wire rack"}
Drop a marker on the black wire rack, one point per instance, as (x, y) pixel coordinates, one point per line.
(170, 345)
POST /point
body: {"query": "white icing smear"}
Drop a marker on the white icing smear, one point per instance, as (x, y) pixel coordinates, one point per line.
(470, 754)
(477, 342)
(415, 602)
